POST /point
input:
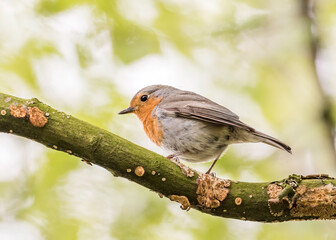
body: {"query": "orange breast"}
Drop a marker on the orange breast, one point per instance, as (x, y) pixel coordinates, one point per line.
(152, 130)
(150, 123)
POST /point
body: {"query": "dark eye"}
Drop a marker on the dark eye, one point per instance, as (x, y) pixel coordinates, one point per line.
(144, 98)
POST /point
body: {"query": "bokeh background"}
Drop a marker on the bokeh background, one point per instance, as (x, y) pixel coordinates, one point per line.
(271, 62)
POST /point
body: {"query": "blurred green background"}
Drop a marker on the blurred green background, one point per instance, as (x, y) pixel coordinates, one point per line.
(271, 62)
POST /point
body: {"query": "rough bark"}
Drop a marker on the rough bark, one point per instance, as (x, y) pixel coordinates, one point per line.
(293, 198)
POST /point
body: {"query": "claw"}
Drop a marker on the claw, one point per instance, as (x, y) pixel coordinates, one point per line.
(170, 156)
(174, 158)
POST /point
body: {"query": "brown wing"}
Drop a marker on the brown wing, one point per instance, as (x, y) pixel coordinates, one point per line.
(194, 106)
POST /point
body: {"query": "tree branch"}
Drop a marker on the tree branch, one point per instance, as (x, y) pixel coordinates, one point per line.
(296, 197)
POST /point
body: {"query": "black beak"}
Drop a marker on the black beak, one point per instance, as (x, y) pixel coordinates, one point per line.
(127, 110)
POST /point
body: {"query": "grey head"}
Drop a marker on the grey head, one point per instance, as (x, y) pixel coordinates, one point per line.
(170, 94)
(156, 91)
(150, 92)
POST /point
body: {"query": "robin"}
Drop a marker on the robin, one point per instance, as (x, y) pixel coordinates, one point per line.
(191, 126)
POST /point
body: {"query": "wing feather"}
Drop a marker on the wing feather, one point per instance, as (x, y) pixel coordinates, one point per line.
(194, 106)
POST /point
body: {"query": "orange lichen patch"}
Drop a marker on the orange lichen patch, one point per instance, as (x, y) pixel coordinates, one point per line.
(18, 111)
(128, 170)
(211, 190)
(36, 117)
(301, 189)
(139, 171)
(275, 206)
(273, 190)
(144, 112)
(315, 202)
(183, 200)
(3, 112)
(186, 170)
(238, 201)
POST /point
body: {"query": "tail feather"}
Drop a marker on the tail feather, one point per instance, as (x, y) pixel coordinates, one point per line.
(272, 141)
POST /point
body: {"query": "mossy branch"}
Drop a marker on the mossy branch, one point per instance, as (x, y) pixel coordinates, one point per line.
(293, 198)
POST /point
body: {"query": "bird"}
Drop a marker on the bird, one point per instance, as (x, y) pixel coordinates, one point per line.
(192, 127)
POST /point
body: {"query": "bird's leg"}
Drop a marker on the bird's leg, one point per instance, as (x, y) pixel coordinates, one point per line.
(212, 165)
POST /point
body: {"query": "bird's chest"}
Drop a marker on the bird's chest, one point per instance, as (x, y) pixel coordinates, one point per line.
(153, 129)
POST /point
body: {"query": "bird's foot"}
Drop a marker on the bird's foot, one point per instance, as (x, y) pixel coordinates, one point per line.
(185, 169)
(174, 158)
